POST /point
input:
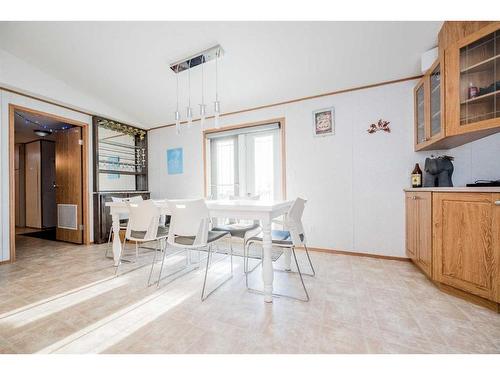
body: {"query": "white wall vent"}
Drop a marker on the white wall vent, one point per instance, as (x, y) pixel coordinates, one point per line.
(67, 216)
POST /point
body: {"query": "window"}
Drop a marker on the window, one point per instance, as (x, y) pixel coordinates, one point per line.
(244, 162)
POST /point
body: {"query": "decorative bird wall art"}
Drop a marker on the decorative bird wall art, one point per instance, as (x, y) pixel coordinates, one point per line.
(380, 125)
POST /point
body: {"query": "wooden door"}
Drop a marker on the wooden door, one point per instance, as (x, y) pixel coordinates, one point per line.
(411, 226)
(33, 198)
(466, 243)
(424, 236)
(69, 178)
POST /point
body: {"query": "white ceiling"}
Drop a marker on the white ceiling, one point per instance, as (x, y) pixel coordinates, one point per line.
(125, 64)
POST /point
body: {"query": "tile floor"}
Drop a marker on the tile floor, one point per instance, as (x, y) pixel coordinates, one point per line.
(60, 298)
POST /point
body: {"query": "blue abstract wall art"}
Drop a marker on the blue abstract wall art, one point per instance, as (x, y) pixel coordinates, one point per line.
(175, 161)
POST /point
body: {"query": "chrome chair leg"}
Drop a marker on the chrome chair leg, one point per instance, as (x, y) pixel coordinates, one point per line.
(161, 268)
(189, 267)
(206, 272)
(246, 255)
(306, 299)
(231, 255)
(310, 262)
(300, 274)
(153, 264)
(209, 261)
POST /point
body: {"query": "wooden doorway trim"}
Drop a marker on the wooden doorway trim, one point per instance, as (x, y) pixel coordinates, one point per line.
(280, 120)
(85, 170)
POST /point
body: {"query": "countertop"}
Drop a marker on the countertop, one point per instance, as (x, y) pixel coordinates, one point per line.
(458, 189)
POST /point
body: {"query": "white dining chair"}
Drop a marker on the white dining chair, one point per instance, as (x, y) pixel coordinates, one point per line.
(143, 226)
(237, 228)
(190, 230)
(291, 238)
(123, 217)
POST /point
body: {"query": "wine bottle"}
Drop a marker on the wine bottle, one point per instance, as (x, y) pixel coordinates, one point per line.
(416, 177)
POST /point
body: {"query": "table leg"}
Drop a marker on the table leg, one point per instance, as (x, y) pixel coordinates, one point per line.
(287, 259)
(267, 262)
(117, 246)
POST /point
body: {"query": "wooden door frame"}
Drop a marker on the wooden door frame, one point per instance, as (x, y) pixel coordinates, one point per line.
(280, 120)
(85, 173)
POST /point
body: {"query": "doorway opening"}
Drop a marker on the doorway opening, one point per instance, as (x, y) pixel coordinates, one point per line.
(48, 181)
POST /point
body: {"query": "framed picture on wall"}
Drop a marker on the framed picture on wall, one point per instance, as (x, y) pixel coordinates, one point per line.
(175, 161)
(324, 122)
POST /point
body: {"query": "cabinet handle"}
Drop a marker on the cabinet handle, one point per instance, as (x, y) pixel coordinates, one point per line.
(497, 203)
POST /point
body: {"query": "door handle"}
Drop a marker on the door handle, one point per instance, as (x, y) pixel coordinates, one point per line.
(497, 203)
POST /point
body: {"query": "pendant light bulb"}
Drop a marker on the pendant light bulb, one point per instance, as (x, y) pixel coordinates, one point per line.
(189, 112)
(177, 122)
(216, 114)
(217, 103)
(177, 113)
(203, 114)
(189, 115)
(203, 107)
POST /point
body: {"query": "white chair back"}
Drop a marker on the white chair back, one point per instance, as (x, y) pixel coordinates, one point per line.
(189, 218)
(293, 221)
(135, 198)
(144, 217)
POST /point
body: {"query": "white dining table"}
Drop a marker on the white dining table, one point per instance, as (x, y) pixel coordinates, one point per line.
(264, 211)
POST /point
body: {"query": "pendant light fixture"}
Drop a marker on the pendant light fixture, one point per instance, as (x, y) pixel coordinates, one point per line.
(216, 103)
(203, 107)
(177, 113)
(212, 53)
(189, 112)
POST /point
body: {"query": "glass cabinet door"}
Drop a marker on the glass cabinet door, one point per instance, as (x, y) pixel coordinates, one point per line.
(480, 79)
(420, 113)
(435, 101)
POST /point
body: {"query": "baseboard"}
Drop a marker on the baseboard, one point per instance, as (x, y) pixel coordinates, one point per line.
(492, 305)
(353, 253)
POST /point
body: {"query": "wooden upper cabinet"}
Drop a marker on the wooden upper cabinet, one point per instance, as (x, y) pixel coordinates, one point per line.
(429, 104)
(466, 242)
(473, 84)
(461, 91)
(421, 108)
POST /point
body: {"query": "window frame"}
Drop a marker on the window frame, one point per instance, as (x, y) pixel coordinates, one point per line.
(282, 140)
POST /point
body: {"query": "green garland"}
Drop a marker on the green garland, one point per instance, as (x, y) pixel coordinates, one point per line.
(125, 129)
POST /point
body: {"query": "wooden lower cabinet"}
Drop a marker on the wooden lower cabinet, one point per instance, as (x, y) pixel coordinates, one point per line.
(467, 243)
(457, 235)
(418, 229)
